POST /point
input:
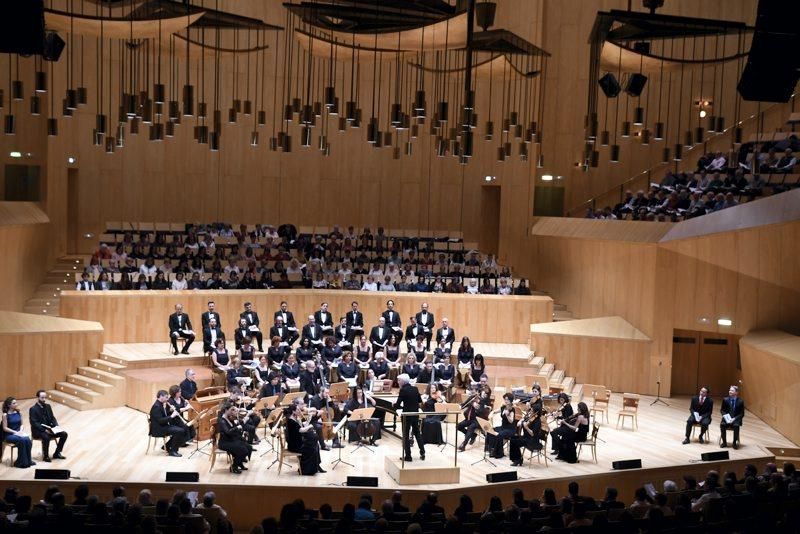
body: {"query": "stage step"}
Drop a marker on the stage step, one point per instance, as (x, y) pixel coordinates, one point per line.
(42, 310)
(568, 383)
(106, 365)
(563, 316)
(111, 358)
(557, 377)
(547, 369)
(577, 393)
(537, 361)
(559, 307)
(103, 376)
(68, 400)
(77, 391)
(89, 383)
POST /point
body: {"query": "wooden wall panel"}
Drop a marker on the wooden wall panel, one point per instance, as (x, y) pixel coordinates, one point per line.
(130, 317)
(685, 363)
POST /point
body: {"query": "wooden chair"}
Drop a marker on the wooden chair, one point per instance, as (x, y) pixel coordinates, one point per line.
(591, 441)
(630, 408)
(708, 431)
(541, 453)
(284, 453)
(11, 446)
(600, 400)
(214, 450)
(152, 441)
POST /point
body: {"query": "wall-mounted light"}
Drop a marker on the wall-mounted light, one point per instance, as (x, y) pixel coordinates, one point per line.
(15, 154)
(547, 177)
(71, 160)
(724, 322)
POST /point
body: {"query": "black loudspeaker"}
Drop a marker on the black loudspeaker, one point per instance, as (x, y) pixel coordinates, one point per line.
(371, 482)
(714, 456)
(505, 476)
(183, 476)
(636, 84)
(609, 85)
(771, 75)
(51, 474)
(626, 464)
(22, 27)
(53, 46)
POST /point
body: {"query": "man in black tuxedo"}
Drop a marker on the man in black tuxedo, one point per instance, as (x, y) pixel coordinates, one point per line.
(732, 406)
(393, 320)
(211, 334)
(355, 321)
(288, 322)
(313, 332)
(412, 331)
(409, 401)
(703, 406)
(446, 333)
(164, 422)
(427, 321)
(379, 335)
(210, 314)
(310, 379)
(42, 422)
(343, 334)
(180, 326)
(188, 385)
(280, 330)
(252, 320)
(324, 319)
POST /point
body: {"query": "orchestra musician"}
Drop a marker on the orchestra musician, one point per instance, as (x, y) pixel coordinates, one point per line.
(343, 334)
(700, 409)
(253, 321)
(506, 430)
(564, 411)
(361, 399)
(302, 438)
(476, 407)
(310, 379)
(355, 321)
(164, 421)
(248, 419)
(188, 385)
(432, 424)
(530, 430)
(392, 320)
(180, 327)
(409, 401)
(427, 321)
(231, 438)
(211, 334)
(177, 401)
(287, 318)
(733, 407)
(323, 403)
(45, 427)
(271, 387)
(576, 428)
(211, 313)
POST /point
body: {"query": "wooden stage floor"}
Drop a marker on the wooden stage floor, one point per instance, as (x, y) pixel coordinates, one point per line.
(109, 445)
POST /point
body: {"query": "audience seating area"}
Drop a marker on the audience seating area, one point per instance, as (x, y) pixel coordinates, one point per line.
(724, 502)
(217, 256)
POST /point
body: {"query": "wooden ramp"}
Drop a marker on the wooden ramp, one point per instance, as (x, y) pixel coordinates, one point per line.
(505, 354)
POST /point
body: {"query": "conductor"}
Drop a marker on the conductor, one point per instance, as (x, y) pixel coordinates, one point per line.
(409, 400)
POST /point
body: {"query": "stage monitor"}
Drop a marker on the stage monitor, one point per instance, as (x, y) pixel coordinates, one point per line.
(714, 456)
(371, 482)
(51, 474)
(183, 476)
(627, 464)
(505, 476)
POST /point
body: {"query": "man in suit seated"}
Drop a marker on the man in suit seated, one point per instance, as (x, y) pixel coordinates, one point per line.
(379, 335)
(446, 334)
(286, 336)
(253, 321)
(165, 421)
(180, 327)
(211, 313)
(85, 284)
(703, 407)
(43, 423)
(287, 318)
(324, 319)
(412, 331)
(210, 336)
(188, 385)
(310, 380)
(733, 408)
(313, 332)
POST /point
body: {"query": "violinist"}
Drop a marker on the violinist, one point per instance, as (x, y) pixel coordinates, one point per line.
(247, 417)
(564, 411)
(302, 438)
(506, 430)
(530, 429)
(361, 399)
(182, 405)
(231, 439)
(475, 408)
(576, 428)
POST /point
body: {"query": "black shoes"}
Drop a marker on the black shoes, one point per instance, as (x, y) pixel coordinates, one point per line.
(174, 454)
(735, 445)
(685, 441)
(59, 456)
(184, 352)
(175, 353)
(723, 445)
(408, 459)
(236, 470)
(321, 470)
(46, 459)
(422, 455)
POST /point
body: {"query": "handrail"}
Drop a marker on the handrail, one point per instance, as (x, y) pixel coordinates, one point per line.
(646, 174)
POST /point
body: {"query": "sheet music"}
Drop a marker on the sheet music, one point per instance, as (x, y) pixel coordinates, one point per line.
(253, 328)
(696, 416)
(727, 418)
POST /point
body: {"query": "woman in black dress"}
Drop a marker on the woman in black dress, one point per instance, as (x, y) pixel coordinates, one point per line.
(392, 349)
(506, 430)
(411, 367)
(302, 438)
(231, 438)
(418, 348)
(246, 352)
(432, 424)
(275, 351)
(347, 368)
(359, 400)
(220, 361)
(477, 369)
(363, 350)
(531, 426)
(331, 352)
(305, 351)
(465, 352)
(441, 353)
(577, 430)
(290, 373)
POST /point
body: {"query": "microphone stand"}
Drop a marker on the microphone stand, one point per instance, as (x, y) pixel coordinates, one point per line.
(658, 399)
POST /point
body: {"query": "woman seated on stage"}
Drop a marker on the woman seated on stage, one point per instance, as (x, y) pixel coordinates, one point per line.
(577, 430)
(247, 351)
(441, 353)
(14, 433)
(411, 367)
(231, 438)
(359, 400)
(237, 371)
(363, 350)
(392, 349)
(476, 370)
(465, 353)
(182, 405)
(382, 369)
(271, 387)
(531, 426)
(262, 370)
(305, 351)
(426, 374)
(331, 352)
(445, 375)
(506, 430)
(275, 351)
(347, 369)
(418, 348)
(220, 362)
(302, 438)
(290, 370)
(432, 424)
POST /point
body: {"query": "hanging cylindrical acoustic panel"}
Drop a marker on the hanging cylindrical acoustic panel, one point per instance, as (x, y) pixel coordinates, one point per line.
(83, 96)
(645, 136)
(593, 130)
(720, 127)
(297, 105)
(288, 113)
(9, 125)
(217, 120)
(501, 153)
(169, 129)
(387, 139)
(173, 110)
(213, 141)
(158, 93)
(202, 135)
(40, 82)
(109, 145)
(409, 148)
(396, 115)
(665, 155)
(323, 142)
(513, 118)
(120, 138)
(317, 109)
(467, 144)
(232, 115)
(202, 110)
(488, 132)
(350, 110)
(506, 125)
(614, 158)
(134, 122)
(678, 152)
(441, 147)
(307, 115)
(517, 132)
(507, 149)
(396, 152)
(147, 112)
(638, 116)
(414, 131)
(273, 144)
(305, 136)
(659, 133)
(129, 101)
(419, 104)
(712, 123)
(737, 135)
(262, 118)
(237, 105)
(540, 162)
(455, 149)
(72, 99)
(16, 90)
(333, 110)
(97, 138)
(688, 139)
(247, 108)
(626, 129)
(442, 110)
(342, 124)
(378, 140)
(699, 133)
(523, 152)
(356, 123)
(594, 158)
(100, 123)
(188, 102)
(330, 95)
(372, 131)
(605, 135)
(36, 104)
(52, 127)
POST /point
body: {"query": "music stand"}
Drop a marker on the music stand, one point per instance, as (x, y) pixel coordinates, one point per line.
(338, 431)
(488, 430)
(453, 409)
(358, 415)
(270, 422)
(339, 390)
(195, 422)
(290, 397)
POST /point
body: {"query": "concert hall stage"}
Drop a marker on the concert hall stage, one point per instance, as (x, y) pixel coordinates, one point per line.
(107, 446)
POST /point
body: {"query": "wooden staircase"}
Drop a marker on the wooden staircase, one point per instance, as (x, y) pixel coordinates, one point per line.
(556, 377)
(45, 300)
(98, 384)
(560, 311)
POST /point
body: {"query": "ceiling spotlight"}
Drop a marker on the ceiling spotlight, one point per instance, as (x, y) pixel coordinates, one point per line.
(547, 177)
(703, 113)
(724, 322)
(15, 154)
(71, 160)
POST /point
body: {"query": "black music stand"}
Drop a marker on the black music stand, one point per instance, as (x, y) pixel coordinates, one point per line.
(488, 429)
(339, 431)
